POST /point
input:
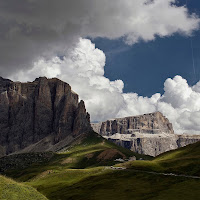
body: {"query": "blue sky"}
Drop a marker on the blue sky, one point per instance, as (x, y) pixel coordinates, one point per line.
(146, 65)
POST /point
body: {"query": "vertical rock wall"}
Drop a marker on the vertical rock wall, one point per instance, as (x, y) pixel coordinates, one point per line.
(151, 123)
(32, 111)
(150, 134)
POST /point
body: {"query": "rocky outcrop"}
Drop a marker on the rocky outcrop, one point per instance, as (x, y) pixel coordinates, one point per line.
(149, 134)
(33, 111)
(152, 123)
(96, 127)
(152, 145)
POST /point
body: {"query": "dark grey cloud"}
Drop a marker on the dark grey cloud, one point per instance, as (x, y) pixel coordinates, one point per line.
(31, 29)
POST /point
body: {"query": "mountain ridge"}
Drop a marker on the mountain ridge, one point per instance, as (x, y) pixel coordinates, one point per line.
(149, 134)
(33, 111)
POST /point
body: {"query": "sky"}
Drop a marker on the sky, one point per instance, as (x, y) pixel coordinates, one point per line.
(122, 57)
(167, 57)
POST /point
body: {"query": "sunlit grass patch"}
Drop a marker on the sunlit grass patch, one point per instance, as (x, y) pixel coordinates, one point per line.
(11, 190)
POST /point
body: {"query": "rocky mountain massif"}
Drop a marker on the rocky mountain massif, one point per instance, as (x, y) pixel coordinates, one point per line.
(150, 134)
(46, 115)
(43, 115)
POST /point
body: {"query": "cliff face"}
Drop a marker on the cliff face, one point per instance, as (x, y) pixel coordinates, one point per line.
(152, 123)
(150, 134)
(30, 112)
(152, 145)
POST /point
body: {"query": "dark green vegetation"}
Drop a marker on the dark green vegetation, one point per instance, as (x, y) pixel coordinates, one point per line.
(91, 151)
(79, 173)
(123, 185)
(185, 161)
(11, 190)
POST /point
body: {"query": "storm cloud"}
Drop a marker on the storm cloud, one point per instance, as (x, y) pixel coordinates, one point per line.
(34, 29)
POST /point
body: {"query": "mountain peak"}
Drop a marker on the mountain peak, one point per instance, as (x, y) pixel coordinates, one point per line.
(45, 110)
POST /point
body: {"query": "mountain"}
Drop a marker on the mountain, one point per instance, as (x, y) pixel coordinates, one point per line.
(86, 169)
(42, 115)
(46, 143)
(149, 134)
(151, 123)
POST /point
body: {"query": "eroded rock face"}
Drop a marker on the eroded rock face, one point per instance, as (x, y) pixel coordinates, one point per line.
(150, 134)
(152, 123)
(152, 145)
(31, 111)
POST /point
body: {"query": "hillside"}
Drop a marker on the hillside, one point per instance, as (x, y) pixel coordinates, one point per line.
(100, 183)
(11, 190)
(185, 160)
(82, 171)
(89, 151)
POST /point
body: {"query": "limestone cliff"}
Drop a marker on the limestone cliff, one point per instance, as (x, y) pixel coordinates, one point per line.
(43, 110)
(152, 123)
(150, 134)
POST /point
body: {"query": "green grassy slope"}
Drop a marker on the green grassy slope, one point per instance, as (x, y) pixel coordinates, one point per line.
(79, 173)
(125, 185)
(93, 151)
(185, 160)
(11, 190)
(101, 183)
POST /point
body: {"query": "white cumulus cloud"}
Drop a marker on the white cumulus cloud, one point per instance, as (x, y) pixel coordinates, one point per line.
(83, 69)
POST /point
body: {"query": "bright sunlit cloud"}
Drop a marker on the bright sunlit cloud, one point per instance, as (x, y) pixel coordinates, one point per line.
(83, 69)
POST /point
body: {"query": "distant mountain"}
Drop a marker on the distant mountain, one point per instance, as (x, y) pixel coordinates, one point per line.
(150, 134)
(151, 123)
(43, 115)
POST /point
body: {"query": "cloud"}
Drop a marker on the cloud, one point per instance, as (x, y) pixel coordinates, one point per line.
(83, 69)
(35, 29)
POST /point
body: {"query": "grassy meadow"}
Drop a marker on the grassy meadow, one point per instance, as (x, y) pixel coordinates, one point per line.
(185, 161)
(82, 172)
